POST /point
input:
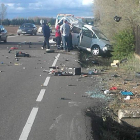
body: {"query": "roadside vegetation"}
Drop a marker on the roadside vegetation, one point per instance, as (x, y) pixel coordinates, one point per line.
(122, 32)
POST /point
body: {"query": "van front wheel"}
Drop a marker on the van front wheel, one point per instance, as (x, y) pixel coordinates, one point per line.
(95, 50)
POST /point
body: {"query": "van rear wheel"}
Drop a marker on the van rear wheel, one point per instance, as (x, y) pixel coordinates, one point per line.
(95, 50)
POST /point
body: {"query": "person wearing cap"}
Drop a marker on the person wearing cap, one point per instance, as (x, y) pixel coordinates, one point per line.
(46, 34)
(65, 31)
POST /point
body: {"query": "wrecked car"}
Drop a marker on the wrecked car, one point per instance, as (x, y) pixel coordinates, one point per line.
(93, 40)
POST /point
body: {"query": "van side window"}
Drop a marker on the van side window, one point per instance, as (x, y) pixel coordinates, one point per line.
(76, 30)
(87, 32)
(94, 36)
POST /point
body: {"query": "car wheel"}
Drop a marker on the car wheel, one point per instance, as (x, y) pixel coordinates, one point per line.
(18, 34)
(35, 33)
(95, 50)
(5, 40)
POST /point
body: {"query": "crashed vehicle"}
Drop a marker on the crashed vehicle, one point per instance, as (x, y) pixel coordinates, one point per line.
(88, 37)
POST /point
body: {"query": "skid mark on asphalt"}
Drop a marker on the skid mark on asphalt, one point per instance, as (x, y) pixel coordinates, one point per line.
(73, 104)
(56, 122)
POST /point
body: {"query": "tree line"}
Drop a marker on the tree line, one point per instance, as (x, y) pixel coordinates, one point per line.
(20, 21)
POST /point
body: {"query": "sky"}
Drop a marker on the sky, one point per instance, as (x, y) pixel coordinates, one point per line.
(47, 8)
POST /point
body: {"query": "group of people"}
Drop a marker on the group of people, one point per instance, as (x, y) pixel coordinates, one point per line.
(62, 33)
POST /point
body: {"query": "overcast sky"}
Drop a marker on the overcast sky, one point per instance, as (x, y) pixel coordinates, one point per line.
(47, 8)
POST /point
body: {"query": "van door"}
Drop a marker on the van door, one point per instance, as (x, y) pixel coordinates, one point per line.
(75, 35)
(86, 38)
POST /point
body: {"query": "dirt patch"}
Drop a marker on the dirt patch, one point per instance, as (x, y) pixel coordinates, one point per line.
(105, 117)
(11, 29)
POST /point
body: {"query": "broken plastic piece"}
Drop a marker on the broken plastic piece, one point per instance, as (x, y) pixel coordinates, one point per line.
(113, 88)
(126, 93)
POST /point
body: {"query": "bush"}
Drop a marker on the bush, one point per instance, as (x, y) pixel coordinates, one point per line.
(124, 44)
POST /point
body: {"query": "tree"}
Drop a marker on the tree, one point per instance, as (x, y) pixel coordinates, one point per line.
(3, 12)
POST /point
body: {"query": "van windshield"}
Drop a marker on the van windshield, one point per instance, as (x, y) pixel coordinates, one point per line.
(100, 35)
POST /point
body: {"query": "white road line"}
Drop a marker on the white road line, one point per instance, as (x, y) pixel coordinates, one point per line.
(46, 81)
(40, 96)
(56, 58)
(27, 128)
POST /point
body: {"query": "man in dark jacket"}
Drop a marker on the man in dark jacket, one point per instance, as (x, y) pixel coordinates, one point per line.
(46, 34)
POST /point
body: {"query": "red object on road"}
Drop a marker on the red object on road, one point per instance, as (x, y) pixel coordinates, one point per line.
(113, 88)
(13, 48)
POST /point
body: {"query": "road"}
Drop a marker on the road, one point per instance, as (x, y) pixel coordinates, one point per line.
(35, 105)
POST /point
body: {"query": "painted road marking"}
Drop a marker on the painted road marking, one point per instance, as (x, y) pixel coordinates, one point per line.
(56, 58)
(40, 96)
(55, 61)
(27, 128)
(46, 81)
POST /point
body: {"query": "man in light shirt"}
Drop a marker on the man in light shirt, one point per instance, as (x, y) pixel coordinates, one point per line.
(65, 31)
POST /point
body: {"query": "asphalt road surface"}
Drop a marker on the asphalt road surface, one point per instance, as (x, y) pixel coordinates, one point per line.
(36, 105)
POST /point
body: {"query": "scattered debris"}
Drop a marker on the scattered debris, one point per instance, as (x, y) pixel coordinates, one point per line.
(65, 98)
(123, 60)
(115, 75)
(13, 48)
(49, 51)
(126, 93)
(106, 92)
(127, 98)
(95, 62)
(93, 72)
(115, 63)
(21, 54)
(113, 88)
(71, 85)
(84, 75)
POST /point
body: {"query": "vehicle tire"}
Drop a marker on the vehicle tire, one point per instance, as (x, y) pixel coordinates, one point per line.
(95, 50)
(19, 34)
(35, 33)
(5, 40)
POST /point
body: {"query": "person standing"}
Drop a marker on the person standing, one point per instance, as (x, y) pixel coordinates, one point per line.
(46, 34)
(58, 36)
(65, 31)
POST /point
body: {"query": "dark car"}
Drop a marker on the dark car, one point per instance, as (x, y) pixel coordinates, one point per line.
(3, 34)
(27, 28)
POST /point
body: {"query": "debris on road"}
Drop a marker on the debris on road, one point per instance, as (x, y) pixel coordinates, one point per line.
(49, 51)
(21, 54)
(13, 48)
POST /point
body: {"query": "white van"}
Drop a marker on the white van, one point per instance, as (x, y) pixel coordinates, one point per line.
(60, 16)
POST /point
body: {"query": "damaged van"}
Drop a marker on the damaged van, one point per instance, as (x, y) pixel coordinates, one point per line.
(93, 40)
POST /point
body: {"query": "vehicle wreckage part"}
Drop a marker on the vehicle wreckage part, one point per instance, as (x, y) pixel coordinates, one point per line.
(95, 50)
